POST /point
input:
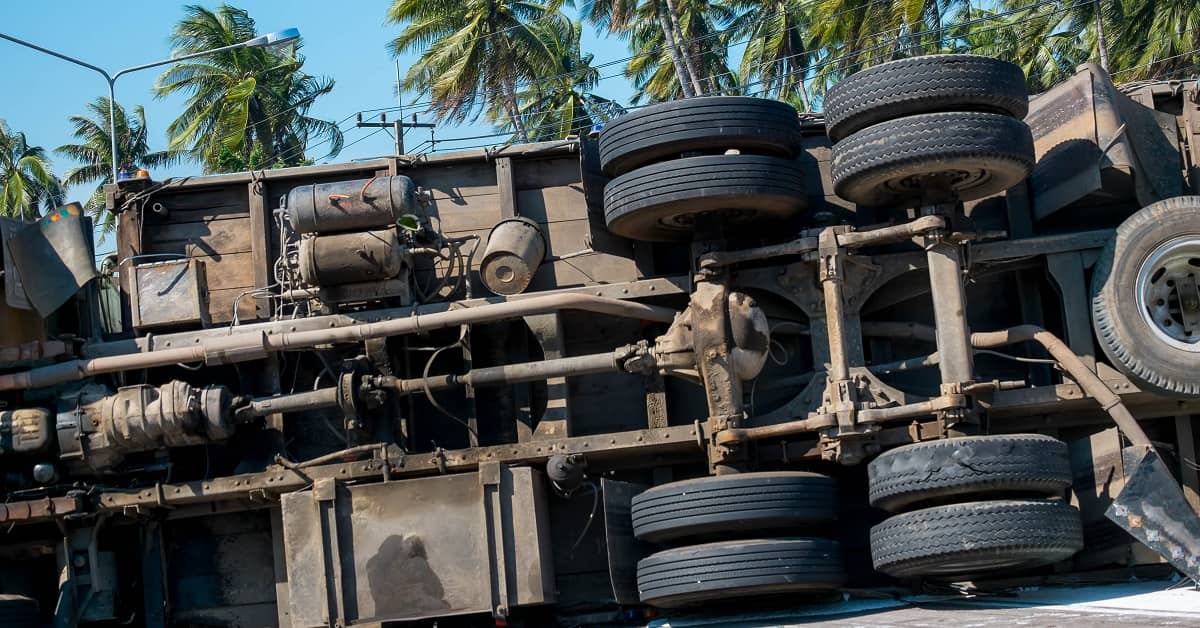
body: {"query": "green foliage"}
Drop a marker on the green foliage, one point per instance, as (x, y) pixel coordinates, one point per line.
(26, 179)
(473, 53)
(516, 56)
(562, 104)
(94, 150)
(240, 99)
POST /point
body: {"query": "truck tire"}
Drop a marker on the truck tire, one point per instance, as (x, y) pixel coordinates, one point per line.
(709, 124)
(1145, 304)
(744, 503)
(929, 84)
(659, 203)
(18, 610)
(970, 465)
(733, 569)
(889, 163)
(976, 538)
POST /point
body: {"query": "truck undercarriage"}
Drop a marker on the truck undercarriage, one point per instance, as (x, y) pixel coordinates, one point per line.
(711, 355)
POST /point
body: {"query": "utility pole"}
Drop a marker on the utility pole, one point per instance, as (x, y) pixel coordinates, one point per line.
(1101, 40)
(397, 126)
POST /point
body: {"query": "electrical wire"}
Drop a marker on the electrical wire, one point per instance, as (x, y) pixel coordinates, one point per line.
(429, 393)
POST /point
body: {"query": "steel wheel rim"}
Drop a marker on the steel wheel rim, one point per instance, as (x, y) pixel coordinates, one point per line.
(1167, 292)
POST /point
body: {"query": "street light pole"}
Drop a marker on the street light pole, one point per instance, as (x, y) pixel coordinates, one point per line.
(278, 38)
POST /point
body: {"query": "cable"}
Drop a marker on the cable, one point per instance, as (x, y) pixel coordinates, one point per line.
(592, 516)
(656, 51)
(429, 393)
(1182, 54)
(1016, 358)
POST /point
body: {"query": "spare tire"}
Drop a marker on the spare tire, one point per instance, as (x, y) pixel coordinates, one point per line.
(744, 504)
(708, 124)
(969, 465)
(660, 202)
(976, 538)
(1145, 299)
(929, 84)
(733, 569)
(977, 154)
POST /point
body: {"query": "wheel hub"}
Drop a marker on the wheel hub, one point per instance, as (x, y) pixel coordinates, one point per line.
(1168, 293)
(957, 180)
(686, 221)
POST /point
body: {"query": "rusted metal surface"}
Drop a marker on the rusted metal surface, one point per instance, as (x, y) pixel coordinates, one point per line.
(365, 553)
(233, 349)
(603, 451)
(515, 249)
(169, 293)
(351, 205)
(374, 446)
(361, 257)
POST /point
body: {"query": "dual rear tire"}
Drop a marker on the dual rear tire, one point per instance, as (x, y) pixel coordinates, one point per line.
(973, 505)
(730, 159)
(737, 536)
(929, 129)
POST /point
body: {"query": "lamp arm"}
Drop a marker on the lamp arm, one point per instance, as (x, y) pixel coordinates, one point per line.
(202, 53)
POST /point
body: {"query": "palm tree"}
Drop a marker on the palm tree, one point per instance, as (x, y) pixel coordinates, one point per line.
(26, 180)
(562, 104)
(474, 53)
(703, 44)
(854, 34)
(622, 17)
(240, 98)
(1031, 39)
(777, 56)
(94, 150)
(1150, 39)
(1143, 39)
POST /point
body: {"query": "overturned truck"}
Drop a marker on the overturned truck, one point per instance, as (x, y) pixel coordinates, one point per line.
(942, 333)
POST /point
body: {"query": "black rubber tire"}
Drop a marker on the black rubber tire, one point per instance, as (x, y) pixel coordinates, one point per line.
(709, 124)
(970, 465)
(733, 569)
(976, 538)
(18, 610)
(929, 84)
(1125, 336)
(658, 203)
(888, 163)
(743, 504)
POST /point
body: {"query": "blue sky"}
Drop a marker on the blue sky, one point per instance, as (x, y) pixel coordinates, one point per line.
(344, 40)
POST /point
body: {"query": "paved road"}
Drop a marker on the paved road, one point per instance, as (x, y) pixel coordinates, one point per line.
(1153, 603)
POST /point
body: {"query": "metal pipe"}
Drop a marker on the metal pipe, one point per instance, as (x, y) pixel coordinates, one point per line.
(310, 400)
(899, 330)
(949, 311)
(249, 346)
(1109, 401)
(907, 364)
(513, 373)
(808, 244)
(743, 434)
(892, 234)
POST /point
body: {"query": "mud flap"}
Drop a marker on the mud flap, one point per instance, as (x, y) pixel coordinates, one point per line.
(1153, 510)
(624, 549)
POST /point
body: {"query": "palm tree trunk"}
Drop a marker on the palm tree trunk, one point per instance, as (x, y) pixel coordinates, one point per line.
(792, 70)
(676, 58)
(689, 60)
(1101, 40)
(514, 111)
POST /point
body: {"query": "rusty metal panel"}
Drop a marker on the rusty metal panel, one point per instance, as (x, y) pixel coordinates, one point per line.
(170, 293)
(417, 548)
(1092, 140)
